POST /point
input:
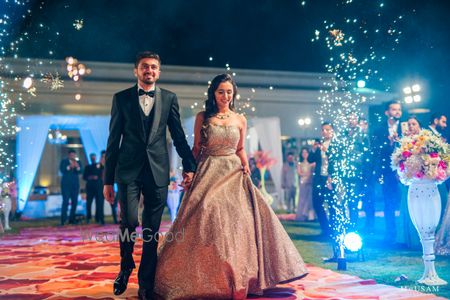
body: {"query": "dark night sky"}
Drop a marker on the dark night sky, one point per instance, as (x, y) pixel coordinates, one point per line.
(255, 34)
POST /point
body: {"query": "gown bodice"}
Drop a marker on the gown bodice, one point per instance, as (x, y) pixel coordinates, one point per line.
(219, 140)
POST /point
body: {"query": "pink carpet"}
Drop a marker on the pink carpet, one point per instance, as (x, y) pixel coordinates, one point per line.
(61, 263)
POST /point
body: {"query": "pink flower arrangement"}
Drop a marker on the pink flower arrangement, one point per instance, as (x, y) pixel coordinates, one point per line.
(424, 156)
(263, 159)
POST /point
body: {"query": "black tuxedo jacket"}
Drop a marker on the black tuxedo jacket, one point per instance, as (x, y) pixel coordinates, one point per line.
(128, 150)
(383, 148)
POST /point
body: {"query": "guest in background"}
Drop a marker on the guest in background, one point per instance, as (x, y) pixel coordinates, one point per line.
(305, 209)
(321, 187)
(289, 181)
(413, 126)
(173, 197)
(255, 174)
(94, 189)
(70, 168)
(384, 141)
(438, 123)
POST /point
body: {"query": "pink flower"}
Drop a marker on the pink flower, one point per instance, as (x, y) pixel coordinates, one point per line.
(420, 174)
(434, 155)
(406, 154)
(442, 165)
(441, 174)
(402, 166)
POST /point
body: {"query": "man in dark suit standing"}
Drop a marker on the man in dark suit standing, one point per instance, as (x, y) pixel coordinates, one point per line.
(70, 168)
(94, 189)
(321, 188)
(384, 141)
(137, 159)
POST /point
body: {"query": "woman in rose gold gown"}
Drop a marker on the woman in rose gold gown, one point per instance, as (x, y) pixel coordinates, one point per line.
(226, 241)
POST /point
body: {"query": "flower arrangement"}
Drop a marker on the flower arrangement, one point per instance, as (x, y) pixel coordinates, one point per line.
(421, 156)
(263, 160)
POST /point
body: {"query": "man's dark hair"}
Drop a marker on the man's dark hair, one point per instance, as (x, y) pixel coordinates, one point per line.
(72, 151)
(327, 123)
(92, 154)
(103, 152)
(389, 103)
(146, 54)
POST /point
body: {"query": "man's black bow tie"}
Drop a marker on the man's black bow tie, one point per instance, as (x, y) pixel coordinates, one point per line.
(141, 92)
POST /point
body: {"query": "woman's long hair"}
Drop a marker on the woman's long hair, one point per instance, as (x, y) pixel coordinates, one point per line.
(210, 103)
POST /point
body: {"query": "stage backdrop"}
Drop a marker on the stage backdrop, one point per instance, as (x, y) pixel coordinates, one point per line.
(32, 136)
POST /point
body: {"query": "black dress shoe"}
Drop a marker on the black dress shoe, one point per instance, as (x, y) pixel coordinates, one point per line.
(145, 294)
(121, 282)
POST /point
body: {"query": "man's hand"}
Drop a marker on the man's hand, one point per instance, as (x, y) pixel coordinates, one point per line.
(108, 193)
(187, 180)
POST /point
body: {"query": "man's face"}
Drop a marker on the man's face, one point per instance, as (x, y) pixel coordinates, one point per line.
(441, 123)
(327, 132)
(72, 155)
(290, 158)
(93, 159)
(394, 112)
(147, 71)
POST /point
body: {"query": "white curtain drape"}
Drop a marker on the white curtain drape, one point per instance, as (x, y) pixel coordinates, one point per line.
(94, 134)
(32, 137)
(269, 136)
(252, 141)
(30, 143)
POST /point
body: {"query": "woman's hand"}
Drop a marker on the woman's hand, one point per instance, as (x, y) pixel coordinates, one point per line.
(246, 169)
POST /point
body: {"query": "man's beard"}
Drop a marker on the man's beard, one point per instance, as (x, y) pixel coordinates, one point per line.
(147, 81)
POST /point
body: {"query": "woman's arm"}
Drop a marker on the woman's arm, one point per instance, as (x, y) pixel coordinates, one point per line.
(240, 151)
(199, 119)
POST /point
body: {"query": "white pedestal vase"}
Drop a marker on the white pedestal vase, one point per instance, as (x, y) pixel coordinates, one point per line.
(424, 205)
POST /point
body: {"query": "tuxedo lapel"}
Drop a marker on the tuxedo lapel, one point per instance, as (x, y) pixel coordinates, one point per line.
(136, 111)
(156, 115)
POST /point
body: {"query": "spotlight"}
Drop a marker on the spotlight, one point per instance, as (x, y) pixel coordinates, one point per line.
(412, 93)
(415, 88)
(307, 121)
(27, 83)
(301, 122)
(407, 90)
(353, 241)
(361, 84)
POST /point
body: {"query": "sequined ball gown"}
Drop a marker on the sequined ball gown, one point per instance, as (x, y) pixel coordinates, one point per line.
(226, 242)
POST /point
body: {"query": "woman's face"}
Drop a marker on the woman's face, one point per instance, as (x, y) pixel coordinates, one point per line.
(305, 154)
(224, 95)
(413, 126)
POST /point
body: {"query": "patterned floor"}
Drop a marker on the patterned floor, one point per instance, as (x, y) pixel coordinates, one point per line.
(81, 262)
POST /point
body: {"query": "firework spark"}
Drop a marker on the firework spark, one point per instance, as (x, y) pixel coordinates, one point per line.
(53, 80)
(78, 24)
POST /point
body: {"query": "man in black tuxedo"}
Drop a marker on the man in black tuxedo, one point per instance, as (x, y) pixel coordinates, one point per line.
(94, 189)
(384, 141)
(70, 168)
(321, 189)
(137, 159)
